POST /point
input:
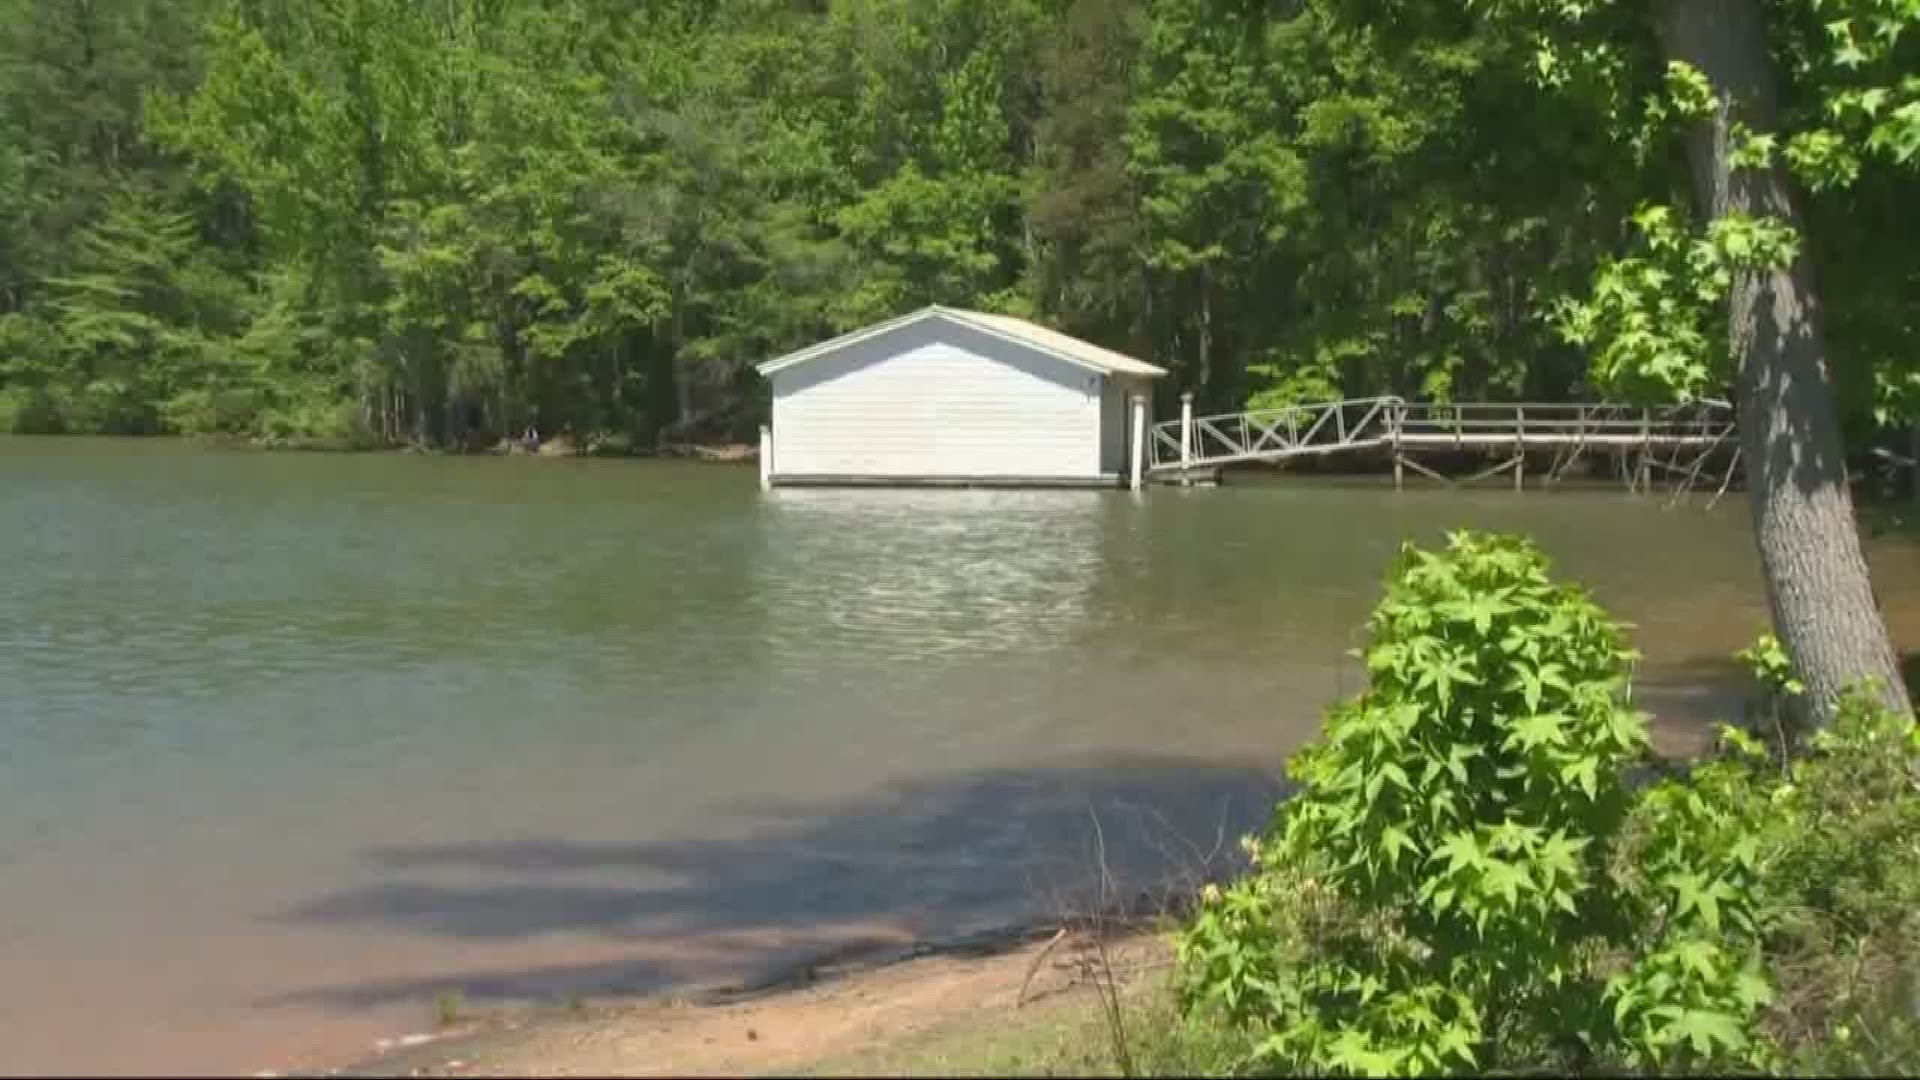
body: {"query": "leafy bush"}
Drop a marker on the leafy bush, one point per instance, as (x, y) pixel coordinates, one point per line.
(1430, 898)
(1844, 820)
(26, 407)
(1793, 883)
(1694, 982)
(311, 421)
(1466, 880)
(25, 411)
(212, 410)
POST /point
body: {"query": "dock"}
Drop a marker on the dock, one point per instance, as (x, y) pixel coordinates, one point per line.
(1673, 443)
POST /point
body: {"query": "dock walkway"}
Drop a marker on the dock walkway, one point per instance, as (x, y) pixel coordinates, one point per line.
(1677, 440)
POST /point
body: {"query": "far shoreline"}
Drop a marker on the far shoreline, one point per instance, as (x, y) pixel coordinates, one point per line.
(558, 448)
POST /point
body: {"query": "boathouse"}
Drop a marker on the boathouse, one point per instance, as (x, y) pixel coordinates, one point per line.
(947, 396)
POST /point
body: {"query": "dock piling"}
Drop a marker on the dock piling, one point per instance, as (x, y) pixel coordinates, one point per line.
(1519, 448)
(1139, 441)
(1186, 437)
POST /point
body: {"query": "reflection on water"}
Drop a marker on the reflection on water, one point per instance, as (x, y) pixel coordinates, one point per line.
(926, 576)
(289, 743)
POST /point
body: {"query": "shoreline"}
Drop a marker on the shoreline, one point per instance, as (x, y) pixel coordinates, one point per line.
(1877, 505)
(789, 1018)
(837, 1006)
(558, 448)
(1878, 500)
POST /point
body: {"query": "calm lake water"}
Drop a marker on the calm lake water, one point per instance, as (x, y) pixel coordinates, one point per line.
(291, 743)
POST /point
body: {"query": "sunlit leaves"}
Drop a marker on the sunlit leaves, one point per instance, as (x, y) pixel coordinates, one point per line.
(1850, 101)
(1822, 159)
(1450, 860)
(1207, 144)
(1650, 320)
(1767, 661)
(1740, 857)
(1461, 807)
(1690, 95)
(1754, 244)
(1653, 321)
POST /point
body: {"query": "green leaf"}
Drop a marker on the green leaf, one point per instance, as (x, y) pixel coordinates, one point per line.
(1709, 1032)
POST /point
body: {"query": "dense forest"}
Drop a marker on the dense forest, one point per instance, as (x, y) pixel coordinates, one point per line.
(440, 221)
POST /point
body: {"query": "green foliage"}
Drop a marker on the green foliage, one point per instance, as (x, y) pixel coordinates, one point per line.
(455, 220)
(1650, 319)
(1766, 660)
(1653, 320)
(1466, 882)
(1784, 883)
(1690, 997)
(1298, 383)
(1846, 941)
(449, 1007)
(1426, 901)
(1849, 118)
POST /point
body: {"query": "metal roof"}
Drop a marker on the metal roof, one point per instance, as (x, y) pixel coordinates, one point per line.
(1034, 336)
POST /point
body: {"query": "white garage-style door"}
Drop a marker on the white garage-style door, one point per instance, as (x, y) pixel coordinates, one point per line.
(949, 408)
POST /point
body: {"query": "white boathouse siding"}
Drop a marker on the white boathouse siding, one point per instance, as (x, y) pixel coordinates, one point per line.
(1115, 414)
(938, 399)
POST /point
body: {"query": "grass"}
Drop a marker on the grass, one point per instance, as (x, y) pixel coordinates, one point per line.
(1070, 1036)
(448, 1007)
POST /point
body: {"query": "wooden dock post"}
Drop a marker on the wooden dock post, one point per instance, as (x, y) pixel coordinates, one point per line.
(766, 458)
(1396, 414)
(1646, 448)
(1139, 441)
(1519, 447)
(1186, 437)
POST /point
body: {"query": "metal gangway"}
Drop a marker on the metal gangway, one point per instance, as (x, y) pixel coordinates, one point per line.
(1679, 440)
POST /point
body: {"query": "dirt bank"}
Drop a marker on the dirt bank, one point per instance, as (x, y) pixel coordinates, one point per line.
(938, 1007)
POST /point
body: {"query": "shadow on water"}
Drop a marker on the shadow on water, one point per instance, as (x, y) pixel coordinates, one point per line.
(933, 859)
(930, 859)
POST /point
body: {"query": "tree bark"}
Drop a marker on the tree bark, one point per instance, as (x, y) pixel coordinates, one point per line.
(682, 376)
(1816, 574)
(1205, 375)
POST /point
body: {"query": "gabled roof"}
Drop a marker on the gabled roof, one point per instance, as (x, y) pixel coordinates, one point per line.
(1020, 331)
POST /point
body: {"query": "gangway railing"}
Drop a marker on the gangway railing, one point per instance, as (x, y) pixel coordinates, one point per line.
(1685, 434)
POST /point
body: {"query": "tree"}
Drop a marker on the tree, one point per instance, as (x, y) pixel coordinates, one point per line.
(1208, 148)
(1823, 603)
(1082, 206)
(437, 220)
(1760, 98)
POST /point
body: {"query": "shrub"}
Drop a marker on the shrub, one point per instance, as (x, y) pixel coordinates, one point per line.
(311, 420)
(1465, 880)
(448, 1007)
(212, 410)
(25, 411)
(1692, 981)
(1835, 831)
(1845, 941)
(1430, 898)
(1786, 882)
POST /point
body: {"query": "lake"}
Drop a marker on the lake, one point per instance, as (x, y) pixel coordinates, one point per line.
(290, 744)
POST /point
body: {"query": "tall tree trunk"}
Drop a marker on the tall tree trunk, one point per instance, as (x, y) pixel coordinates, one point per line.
(1204, 377)
(1816, 575)
(682, 376)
